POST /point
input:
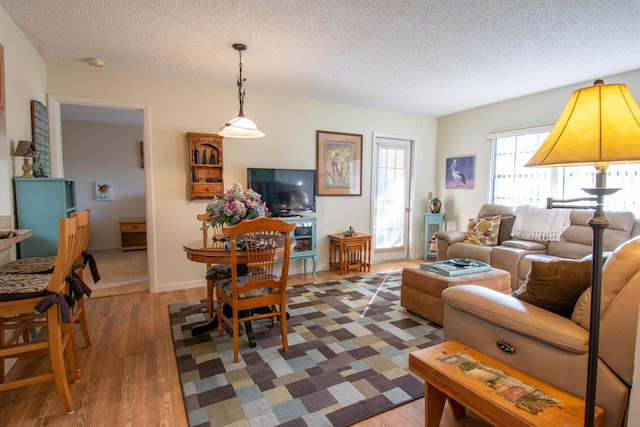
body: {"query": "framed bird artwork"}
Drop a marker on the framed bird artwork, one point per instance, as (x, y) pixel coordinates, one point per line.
(460, 172)
(104, 190)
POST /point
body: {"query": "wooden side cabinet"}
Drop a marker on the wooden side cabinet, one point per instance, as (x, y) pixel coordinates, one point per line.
(205, 166)
(133, 234)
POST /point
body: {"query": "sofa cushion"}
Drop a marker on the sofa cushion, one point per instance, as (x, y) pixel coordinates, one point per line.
(483, 231)
(556, 285)
(506, 224)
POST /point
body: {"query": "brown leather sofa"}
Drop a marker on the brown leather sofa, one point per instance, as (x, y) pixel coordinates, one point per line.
(515, 256)
(553, 348)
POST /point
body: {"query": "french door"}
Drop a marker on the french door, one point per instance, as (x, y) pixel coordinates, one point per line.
(391, 198)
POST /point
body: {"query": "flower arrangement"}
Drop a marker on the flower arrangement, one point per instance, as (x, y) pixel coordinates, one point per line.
(235, 205)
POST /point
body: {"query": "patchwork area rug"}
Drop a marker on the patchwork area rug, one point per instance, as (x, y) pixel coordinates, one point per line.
(349, 342)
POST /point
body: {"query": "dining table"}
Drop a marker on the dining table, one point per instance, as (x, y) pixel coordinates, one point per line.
(211, 251)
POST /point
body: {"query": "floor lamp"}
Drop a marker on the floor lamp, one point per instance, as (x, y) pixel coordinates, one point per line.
(600, 125)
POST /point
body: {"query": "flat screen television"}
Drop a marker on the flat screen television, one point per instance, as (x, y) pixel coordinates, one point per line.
(286, 192)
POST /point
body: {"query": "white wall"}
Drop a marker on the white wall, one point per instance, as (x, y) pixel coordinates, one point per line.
(177, 107)
(24, 81)
(105, 152)
(24, 74)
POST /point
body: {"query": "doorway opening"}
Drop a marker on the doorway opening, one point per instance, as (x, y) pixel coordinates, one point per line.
(103, 144)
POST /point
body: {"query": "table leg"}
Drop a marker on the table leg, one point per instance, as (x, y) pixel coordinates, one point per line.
(250, 335)
(210, 286)
(434, 401)
(457, 409)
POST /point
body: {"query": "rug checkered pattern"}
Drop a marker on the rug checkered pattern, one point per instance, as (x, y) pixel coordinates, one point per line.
(349, 342)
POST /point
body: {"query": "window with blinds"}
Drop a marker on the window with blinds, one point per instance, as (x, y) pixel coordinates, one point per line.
(513, 184)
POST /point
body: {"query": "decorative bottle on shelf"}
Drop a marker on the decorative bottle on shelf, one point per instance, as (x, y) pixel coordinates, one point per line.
(196, 156)
(435, 205)
(212, 159)
(204, 156)
(193, 175)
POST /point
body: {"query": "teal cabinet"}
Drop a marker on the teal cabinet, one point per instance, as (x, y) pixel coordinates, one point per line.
(40, 203)
(431, 219)
(305, 237)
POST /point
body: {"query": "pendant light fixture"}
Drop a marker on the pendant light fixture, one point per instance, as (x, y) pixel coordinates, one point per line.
(241, 126)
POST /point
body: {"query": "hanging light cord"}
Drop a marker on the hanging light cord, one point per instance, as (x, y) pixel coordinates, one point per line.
(240, 86)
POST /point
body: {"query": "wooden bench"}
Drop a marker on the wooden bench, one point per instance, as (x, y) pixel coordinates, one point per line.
(446, 381)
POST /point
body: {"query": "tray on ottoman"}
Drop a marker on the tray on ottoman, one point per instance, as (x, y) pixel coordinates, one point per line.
(456, 267)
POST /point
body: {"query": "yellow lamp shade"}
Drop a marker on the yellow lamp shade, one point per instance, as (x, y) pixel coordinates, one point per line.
(600, 124)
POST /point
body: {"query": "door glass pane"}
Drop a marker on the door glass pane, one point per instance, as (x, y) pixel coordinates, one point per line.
(391, 190)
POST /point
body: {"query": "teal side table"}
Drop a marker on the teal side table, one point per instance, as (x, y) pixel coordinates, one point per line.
(431, 220)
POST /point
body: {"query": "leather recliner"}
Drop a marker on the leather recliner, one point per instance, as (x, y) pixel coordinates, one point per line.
(553, 348)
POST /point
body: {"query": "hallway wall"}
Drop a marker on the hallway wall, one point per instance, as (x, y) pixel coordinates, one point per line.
(105, 152)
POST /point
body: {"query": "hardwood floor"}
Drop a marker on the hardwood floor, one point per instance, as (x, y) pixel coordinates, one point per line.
(129, 376)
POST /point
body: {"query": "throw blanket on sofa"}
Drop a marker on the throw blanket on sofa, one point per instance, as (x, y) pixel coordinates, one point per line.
(532, 223)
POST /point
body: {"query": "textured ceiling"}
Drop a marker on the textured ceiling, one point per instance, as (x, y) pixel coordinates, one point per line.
(429, 57)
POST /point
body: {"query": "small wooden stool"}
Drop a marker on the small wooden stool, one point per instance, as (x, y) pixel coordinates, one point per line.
(348, 253)
(447, 381)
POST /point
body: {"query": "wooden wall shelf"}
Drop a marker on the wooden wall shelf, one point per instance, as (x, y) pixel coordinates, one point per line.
(205, 166)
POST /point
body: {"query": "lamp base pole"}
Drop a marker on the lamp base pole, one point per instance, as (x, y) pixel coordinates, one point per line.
(26, 169)
(598, 224)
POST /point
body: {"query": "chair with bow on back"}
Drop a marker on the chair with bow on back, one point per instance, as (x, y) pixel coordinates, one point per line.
(260, 244)
(44, 266)
(78, 287)
(21, 295)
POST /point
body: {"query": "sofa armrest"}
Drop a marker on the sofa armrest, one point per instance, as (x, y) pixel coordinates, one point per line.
(451, 237)
(518, 316)
(444, 239)
(509, 258)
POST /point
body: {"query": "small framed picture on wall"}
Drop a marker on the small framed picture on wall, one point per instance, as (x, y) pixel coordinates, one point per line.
(460, 172)
(104, 190)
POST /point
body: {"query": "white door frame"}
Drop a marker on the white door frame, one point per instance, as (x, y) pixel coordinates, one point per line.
(412, 188)
(57, 170)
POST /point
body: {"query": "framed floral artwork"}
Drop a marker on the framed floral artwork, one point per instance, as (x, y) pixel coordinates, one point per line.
(338, 164)
(460, 172)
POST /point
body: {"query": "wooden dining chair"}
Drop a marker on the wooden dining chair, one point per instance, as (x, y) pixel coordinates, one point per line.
(78, 287)
(262, 243)
(50, 300)
(44, 266)
(215, 272)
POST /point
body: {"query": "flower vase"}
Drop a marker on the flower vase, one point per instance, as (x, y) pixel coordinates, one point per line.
(435, 205)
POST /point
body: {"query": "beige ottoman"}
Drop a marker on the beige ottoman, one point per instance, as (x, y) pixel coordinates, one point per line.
(420, 289)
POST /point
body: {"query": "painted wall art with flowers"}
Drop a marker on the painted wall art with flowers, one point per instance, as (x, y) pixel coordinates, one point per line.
(338, 164)
(234, 206)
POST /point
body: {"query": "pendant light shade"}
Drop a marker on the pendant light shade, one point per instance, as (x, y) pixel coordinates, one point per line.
(240, 126)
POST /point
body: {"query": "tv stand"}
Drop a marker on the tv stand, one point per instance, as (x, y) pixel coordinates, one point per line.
(305, 237)
(283, 215)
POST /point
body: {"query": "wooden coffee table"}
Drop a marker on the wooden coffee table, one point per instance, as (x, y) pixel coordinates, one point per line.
(447, 381)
